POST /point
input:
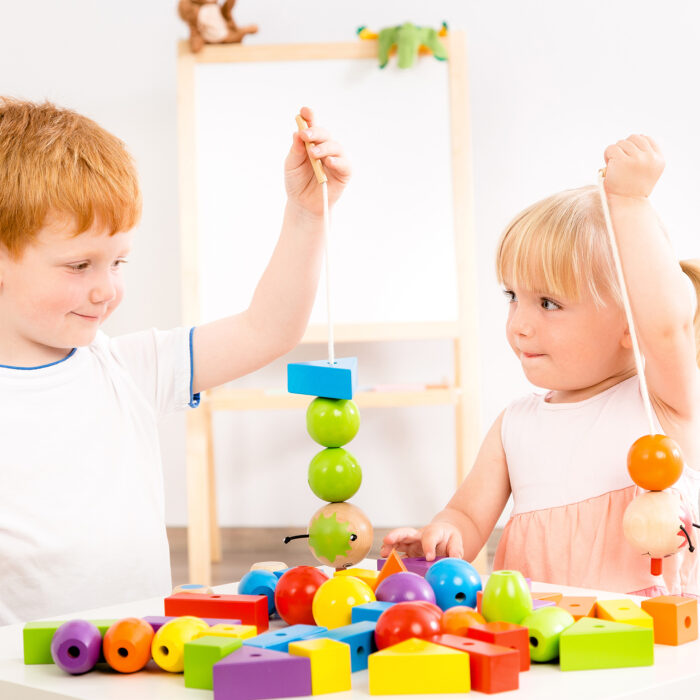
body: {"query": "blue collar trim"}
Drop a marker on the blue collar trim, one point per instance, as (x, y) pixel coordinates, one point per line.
(51, 364)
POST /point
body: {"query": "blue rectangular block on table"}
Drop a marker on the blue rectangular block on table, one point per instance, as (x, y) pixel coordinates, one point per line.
(279, 639)
(321, 378)
(360, 637)
(369, 611)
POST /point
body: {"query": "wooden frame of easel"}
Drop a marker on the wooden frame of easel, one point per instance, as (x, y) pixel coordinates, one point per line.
(204, 541)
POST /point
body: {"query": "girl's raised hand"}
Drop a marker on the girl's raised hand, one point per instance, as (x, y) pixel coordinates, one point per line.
(439, 539)
(633, 166)
(300, 181)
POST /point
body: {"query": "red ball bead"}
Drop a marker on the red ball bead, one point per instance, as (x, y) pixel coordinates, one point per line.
(655, 462)
(405, 620)
(294, 594)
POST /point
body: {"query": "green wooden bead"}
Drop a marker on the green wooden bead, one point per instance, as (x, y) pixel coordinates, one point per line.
(545, 626)
(332, 422)
(506, 597)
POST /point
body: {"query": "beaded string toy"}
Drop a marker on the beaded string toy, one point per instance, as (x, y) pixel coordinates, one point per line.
(339, 533)
(656, 523)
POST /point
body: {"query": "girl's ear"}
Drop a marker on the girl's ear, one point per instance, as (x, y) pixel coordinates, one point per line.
(626, 340)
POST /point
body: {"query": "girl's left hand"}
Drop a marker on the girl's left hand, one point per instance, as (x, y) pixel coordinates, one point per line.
(633, 166)
(299, 177)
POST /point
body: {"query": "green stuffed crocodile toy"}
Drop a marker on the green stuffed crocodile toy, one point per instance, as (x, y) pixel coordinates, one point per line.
(410, 41)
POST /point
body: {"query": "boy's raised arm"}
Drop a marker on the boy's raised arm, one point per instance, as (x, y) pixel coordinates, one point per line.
(276, 319)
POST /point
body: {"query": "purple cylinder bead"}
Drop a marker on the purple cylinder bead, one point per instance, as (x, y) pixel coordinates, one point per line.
(404, 586)
(76, 646)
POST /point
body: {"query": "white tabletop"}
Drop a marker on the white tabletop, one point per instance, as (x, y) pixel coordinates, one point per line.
(675, 673)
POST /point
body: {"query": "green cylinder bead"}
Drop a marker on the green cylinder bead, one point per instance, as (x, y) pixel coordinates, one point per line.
(506, 597)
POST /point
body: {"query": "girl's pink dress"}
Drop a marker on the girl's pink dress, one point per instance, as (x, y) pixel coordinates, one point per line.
(568, 472)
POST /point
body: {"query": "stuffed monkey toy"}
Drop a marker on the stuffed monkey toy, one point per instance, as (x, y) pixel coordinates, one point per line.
(211, 23)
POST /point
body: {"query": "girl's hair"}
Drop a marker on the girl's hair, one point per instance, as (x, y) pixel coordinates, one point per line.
(57, 162)
(560, 246)
(692, 269)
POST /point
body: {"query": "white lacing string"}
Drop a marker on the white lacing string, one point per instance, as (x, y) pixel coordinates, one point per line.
(638, 360)
(326, 236)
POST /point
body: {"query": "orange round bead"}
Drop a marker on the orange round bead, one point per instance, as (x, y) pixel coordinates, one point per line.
(127, 644)
(655, 462)
(458, 619)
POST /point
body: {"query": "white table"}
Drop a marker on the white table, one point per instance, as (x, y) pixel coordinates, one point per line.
(674, 675)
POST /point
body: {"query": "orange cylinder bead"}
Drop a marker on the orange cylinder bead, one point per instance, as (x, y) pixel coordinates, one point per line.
(655, 462)
(127, 645)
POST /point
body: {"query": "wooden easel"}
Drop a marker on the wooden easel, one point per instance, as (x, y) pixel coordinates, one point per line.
(204, 543)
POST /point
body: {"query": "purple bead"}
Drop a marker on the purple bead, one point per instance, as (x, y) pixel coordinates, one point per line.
(404, 586)
(542, 603)
(76, 646)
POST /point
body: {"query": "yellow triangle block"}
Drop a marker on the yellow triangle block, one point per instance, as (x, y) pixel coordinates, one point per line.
(415, 666)
(236, 631)
(625, 611)
(369, 576)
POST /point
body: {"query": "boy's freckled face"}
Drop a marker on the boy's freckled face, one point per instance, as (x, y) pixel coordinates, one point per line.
(63, 287)
(565, 345)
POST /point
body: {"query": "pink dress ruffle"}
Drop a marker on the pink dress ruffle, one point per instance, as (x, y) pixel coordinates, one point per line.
(582, 544)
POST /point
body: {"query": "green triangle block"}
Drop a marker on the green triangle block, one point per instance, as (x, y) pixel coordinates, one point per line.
(592, 643)
(200, 656)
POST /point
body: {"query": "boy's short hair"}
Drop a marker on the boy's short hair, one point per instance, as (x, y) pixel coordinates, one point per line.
(560, 246)
(54, 161)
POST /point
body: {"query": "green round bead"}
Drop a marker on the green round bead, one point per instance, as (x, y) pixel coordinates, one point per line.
(334, 475)
(545, 626)
(332, 422)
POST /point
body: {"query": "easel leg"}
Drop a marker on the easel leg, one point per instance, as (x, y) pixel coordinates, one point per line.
(199, 524)
(215, 530)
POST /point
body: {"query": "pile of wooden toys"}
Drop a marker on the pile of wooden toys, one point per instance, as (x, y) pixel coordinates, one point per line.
(417, 627)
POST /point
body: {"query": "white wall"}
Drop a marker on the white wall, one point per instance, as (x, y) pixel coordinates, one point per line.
(552, 83)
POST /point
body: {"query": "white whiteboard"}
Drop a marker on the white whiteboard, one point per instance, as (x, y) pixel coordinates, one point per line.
(392, 236)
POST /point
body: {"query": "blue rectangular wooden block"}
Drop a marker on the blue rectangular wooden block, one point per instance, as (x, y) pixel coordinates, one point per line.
(369, 611)
(279, 640)
(360, 637)
(321, 378)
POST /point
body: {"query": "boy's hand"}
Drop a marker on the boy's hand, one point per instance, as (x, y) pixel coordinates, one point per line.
(435, 540)
(633, 166)
(300, 180)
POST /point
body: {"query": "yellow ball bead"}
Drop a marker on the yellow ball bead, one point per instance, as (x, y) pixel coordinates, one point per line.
(168, 648)
(334, 600)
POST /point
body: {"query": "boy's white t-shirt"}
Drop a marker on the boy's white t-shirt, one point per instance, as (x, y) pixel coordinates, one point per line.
(81, 488)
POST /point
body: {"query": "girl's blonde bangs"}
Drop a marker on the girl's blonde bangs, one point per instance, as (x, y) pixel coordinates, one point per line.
(559, 247)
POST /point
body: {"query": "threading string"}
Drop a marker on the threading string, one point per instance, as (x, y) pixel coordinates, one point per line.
(626, 303)
(326, 236)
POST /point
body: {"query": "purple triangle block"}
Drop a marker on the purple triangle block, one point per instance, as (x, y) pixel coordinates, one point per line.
(250, 673)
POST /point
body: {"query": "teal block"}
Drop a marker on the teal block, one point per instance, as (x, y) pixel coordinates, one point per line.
(321, 378)
(280, 639)
(369, 611)
(200, 656)
(360, 637)
(593, 643)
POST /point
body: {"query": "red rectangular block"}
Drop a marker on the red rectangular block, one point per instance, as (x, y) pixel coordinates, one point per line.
(504, 634)
(493, 668)
(249, 609)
